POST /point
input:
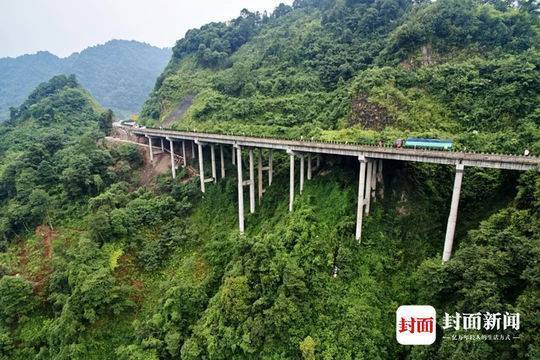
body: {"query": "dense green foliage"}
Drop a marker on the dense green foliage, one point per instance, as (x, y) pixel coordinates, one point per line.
(366, 71)
(97, 264)
(119, 74)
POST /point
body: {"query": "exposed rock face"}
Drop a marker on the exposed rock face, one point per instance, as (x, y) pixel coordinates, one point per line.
(369, 115)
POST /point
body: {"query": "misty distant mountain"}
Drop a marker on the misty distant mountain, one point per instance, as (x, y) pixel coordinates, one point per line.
(119, 74)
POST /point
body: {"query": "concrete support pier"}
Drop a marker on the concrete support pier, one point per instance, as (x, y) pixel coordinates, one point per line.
(260, 176)
(251, 182)
(367, 198)
(213, 159)
(193, 149)
(452, 217)
(162, 145)
(309, 167)
(270, 167)
(173, 166)
(360, 208)
(222, 161)
(234, 155)
(291, 181)
(380, 179)
(151, 149)
(301, 173)
(201, 166)
(184, 153)
(374, 178)
(238, 150)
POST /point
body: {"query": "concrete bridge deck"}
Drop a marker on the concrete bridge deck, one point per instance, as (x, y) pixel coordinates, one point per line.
(498, 161)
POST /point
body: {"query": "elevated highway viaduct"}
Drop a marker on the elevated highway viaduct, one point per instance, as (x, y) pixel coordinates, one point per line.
(370, 158)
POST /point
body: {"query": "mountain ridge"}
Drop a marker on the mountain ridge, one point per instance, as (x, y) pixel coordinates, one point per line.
(118, 73)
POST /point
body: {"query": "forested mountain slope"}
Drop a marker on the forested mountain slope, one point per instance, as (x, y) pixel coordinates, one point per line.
(364, 71)
(94, 266)
(119, 74)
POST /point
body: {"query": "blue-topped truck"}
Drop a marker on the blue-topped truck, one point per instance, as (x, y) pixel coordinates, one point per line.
(423, 143)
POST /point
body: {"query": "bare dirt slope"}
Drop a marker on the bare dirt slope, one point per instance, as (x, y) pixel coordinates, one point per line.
(179, 110)
(161, 165)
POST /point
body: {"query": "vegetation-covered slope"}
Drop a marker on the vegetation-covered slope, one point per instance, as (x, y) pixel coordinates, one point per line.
(119, 74)
(466, 70)
(93, 266)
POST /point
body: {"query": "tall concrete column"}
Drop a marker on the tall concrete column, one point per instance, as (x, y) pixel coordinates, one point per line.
(193, 149)
(233, 155)
(151, 149)
(367, 197)
(301, 173)
(380, 179)
(452, 217)
(260, 176)
(270, 168)
(173, 167)
(213, 159)
(184, 153)
(222, 161)
(251, 182)
(318, 161)
(240, 189)
(162, 146)
(360, 208)
(291, 182)
(374, 178)
(309, 167)
(201, 166)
